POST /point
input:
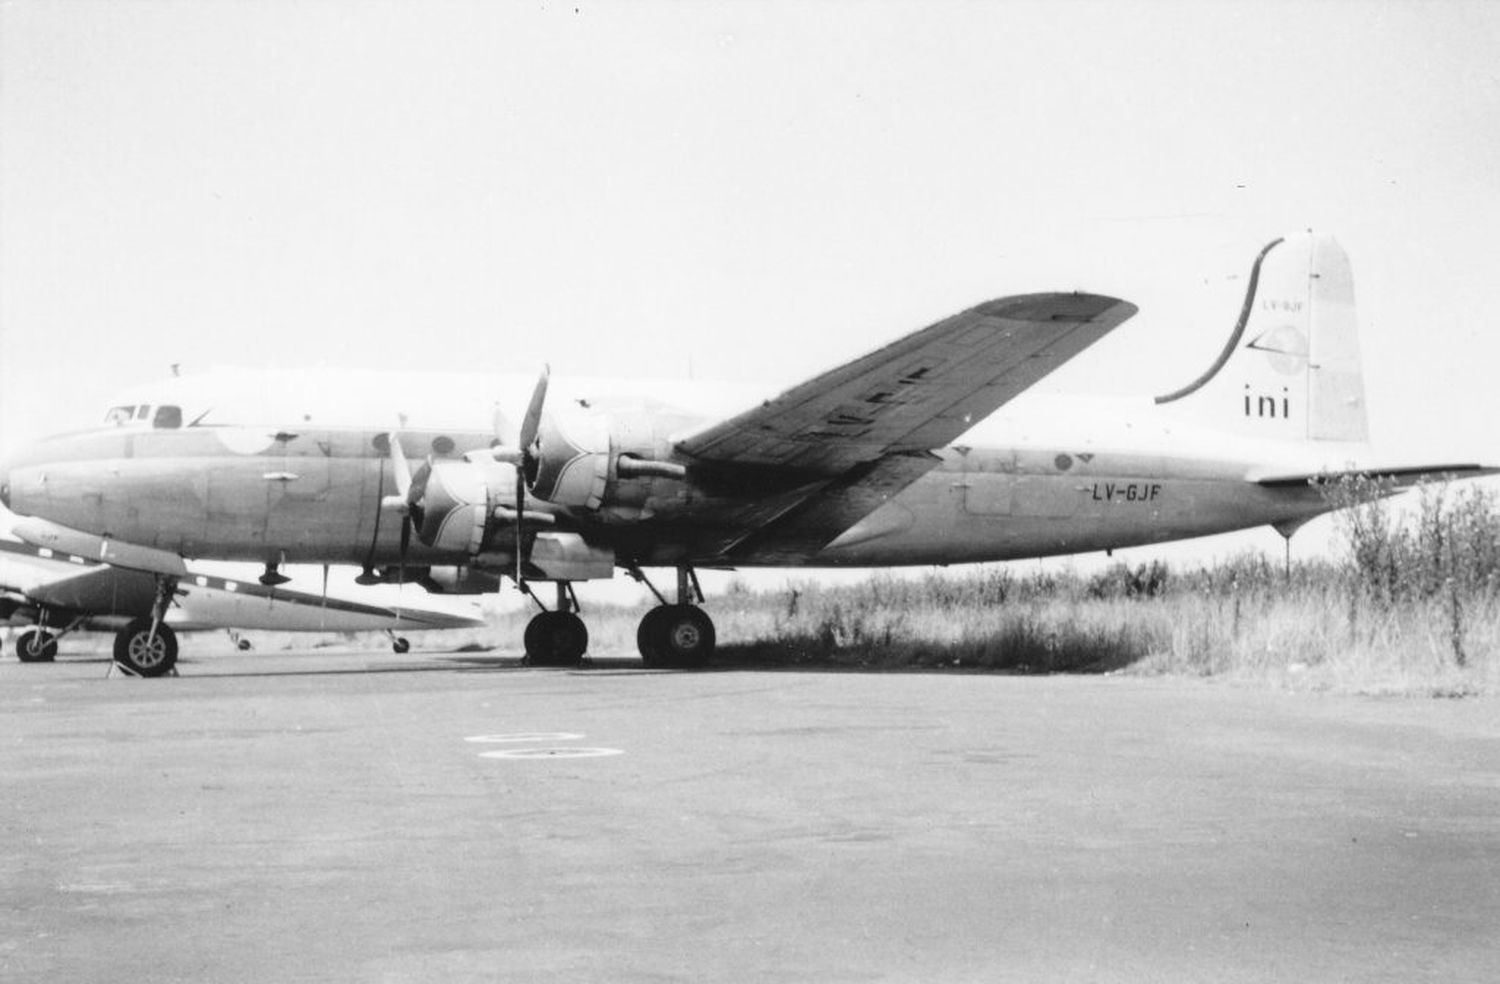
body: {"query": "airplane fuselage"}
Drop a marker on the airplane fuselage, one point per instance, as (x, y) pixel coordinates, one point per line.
(304, 494)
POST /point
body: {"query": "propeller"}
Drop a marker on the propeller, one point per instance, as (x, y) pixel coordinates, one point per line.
(532, 423)
(526, 467)
(404, 501)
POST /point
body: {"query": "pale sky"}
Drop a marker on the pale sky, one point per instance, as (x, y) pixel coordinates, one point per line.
(731, 190)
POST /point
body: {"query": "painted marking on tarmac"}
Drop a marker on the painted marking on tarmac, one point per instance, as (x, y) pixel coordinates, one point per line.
(526, 736)
(544, 753)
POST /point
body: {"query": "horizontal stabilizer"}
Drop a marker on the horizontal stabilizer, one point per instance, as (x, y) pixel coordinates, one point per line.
(1402, 476)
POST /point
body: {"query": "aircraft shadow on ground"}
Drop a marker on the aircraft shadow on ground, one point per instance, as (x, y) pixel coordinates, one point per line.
(760, 657)
(1064, 659)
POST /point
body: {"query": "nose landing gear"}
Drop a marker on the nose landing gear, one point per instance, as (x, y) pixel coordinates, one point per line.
(36, 646)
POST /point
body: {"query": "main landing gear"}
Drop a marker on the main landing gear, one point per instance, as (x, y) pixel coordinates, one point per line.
(680, 635)
(147, 647)
(557, 637)
(677, 635)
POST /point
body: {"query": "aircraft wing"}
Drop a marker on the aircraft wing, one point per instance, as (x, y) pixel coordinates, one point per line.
(71, 583)
(130, 556)
(21, 571)
(918, 393)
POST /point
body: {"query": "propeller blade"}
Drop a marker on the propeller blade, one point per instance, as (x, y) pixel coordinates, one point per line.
(530, 425)
(532, 422)
(398, 461)
(405, 545)
(520, 511)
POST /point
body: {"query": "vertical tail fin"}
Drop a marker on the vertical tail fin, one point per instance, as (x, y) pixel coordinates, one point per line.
(1291, 369)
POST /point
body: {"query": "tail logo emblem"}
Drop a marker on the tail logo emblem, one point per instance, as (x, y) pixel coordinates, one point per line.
(1285, 348)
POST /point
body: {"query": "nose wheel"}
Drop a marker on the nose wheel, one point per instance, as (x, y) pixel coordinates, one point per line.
(36, 646)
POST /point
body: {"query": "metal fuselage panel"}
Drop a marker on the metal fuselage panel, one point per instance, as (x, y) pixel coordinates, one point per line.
(226, 494)
(991, 504)
(314, 496)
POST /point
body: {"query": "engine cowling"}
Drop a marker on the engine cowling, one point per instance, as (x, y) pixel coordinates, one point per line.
(453, 503)
(587, 458)
(570, 462)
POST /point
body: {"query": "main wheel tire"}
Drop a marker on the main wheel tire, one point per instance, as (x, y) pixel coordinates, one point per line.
(400, 645)
(676, 635)
(36, 646)
(648, 637)
(556, 639)
(138, 652)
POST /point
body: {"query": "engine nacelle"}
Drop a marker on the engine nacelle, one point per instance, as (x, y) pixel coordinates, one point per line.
(468, 507)
(453, 503)
(571, 463)
(587, 458)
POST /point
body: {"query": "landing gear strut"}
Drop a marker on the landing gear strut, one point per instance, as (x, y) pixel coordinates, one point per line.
(557, 637)
(39, 645)
(36, 646)
(680, 635)
(147, 647)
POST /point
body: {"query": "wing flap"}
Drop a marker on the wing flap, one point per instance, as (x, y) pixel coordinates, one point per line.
(917, 393)
(825, 515)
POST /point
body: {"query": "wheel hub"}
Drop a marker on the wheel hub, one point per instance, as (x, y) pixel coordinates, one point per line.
(685, 636)
(147, 651)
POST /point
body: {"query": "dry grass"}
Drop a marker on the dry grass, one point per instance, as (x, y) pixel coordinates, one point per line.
(1242, 621)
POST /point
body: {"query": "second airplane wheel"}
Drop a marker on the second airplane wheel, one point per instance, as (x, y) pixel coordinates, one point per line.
(556, 639)
(36, 646)
(648, 636)
(676, 635)
(138, 652)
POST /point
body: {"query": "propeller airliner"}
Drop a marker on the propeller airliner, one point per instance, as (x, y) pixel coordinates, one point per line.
(910, 455)
(57, 594)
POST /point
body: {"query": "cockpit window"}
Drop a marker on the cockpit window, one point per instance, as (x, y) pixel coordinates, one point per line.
(119, 416)
(143, 411)
(167, 417)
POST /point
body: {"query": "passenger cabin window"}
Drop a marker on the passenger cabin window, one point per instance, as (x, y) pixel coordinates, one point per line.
(167, 417)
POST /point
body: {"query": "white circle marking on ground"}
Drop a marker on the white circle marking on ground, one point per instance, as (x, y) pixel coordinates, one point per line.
(542, 753)
(526, 736)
